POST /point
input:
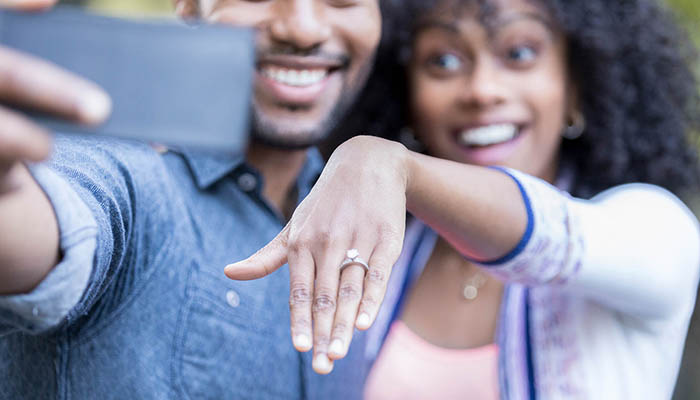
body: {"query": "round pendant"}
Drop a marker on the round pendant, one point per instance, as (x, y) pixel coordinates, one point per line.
(470, 292)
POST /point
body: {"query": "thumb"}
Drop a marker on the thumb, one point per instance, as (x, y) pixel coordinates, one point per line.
(264, 262)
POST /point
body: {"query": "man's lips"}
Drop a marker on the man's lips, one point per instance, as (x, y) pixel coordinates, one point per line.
(295, 80)
(303, 62)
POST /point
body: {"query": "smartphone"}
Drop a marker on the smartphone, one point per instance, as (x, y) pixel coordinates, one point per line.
(171, 83)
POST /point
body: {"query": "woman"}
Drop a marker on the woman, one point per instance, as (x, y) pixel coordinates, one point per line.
(508, 286)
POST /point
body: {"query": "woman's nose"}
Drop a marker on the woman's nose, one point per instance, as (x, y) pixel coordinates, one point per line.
(483, 86)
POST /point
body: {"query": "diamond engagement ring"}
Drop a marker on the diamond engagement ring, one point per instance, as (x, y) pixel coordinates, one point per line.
(352, 257)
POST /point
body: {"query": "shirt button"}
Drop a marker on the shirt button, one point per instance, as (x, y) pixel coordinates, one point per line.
(233, 299)
(247, 182)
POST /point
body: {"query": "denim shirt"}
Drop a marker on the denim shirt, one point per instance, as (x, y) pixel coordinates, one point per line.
(139, 307)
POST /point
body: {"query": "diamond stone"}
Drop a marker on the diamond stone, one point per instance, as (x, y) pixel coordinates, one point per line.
(352, 253)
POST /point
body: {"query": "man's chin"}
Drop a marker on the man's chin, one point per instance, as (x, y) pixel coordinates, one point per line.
(280, 136)
(284, 142)
(292, 134)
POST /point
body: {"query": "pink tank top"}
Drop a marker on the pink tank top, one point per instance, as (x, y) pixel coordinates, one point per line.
(408, 368)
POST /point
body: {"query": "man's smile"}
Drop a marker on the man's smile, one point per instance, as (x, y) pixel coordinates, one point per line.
(298, 80)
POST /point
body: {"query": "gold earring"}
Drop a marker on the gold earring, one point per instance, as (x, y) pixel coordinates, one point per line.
(575, 126)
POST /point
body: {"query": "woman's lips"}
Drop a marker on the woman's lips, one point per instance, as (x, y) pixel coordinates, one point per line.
(489, 144)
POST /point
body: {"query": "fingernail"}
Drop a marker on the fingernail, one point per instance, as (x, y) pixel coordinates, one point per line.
(322, 364)
(231, 268)
(302, 342)
(94, 106)
(336, 347)
(363, 321)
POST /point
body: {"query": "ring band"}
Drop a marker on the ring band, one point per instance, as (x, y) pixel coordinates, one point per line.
(352, 257)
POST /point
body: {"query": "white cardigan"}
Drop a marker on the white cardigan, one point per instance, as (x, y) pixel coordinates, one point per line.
(599, 293)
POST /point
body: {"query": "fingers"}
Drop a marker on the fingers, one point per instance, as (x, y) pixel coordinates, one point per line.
(30, 82)
(324, 304)
(301, 292)
(383, 258)
(20, 139)
(349, 296)
(27, 5)
(264, 262)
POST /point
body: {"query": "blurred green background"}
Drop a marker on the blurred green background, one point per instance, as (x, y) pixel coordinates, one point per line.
(688, 10)
(688, 13)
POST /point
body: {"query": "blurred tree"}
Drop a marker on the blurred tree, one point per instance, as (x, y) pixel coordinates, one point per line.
(126, 7)
(689, 9)
(689, 13)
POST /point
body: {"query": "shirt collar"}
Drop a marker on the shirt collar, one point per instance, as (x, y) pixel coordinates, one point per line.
(310, 172)
(209, 168)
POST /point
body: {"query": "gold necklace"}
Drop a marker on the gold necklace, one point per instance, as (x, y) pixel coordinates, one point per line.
(471, 287)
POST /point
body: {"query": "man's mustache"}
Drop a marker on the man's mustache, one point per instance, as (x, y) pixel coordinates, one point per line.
(317, 53)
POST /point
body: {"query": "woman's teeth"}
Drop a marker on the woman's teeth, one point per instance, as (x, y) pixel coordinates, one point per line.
(488, 135)
(295, 77)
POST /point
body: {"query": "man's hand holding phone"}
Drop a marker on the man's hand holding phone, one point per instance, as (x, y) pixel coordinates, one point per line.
(32, 83)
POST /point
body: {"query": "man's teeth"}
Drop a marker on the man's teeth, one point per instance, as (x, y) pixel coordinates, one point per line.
(295, 77)
(488, 135)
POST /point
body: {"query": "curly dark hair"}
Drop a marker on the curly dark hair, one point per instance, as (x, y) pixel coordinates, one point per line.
(633, 66)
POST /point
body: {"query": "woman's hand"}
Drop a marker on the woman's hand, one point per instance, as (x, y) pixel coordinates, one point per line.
(359, 202)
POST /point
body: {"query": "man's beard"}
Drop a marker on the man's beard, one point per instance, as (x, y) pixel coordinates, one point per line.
(271, 133)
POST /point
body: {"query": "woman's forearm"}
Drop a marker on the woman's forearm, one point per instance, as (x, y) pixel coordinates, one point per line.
(479, 210)
(633, 248)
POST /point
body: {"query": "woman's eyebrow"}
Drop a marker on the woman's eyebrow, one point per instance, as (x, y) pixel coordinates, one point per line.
(509, 18)
(491, 24)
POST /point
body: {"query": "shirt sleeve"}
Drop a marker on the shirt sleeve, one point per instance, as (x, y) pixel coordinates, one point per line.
(634, 248)
(105, 194)
(51, 301)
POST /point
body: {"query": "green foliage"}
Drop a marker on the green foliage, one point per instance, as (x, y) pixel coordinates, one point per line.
(687, 8)
(132, 7)
(689, 13)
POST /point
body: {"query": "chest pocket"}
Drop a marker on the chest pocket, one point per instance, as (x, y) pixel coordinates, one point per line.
(233, 339)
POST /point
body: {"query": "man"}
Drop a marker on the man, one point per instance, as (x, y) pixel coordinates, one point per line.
(112, 255)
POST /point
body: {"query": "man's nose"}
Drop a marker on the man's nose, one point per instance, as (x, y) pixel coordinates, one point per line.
(300, 23)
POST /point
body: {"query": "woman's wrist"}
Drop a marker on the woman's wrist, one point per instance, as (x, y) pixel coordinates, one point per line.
(379, 155)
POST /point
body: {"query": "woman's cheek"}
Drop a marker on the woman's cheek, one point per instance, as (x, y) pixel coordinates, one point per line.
(430, 103)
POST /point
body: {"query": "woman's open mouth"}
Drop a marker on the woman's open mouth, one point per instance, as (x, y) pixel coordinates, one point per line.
(489, 144)
(488, 135)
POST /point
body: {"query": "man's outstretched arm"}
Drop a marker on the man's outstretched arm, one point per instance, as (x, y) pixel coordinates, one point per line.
(29, 238)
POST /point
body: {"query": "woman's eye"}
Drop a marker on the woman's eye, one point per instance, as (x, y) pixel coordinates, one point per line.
(447, 62)
(521, 54)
